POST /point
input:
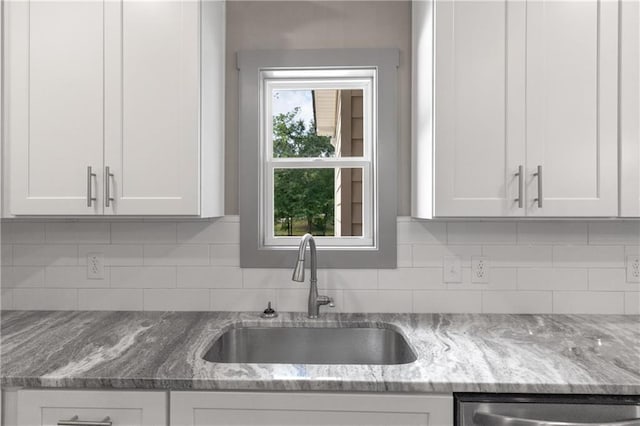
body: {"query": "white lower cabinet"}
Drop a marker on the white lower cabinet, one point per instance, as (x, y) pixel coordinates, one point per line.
(25, 407)
(55, 407)
(302, 409)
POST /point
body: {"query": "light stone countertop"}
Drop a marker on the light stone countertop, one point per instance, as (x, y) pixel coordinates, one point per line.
(592, 354)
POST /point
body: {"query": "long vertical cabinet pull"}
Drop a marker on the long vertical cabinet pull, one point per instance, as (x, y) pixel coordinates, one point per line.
(520, 198)
(539, 175)
(107, 190)
(90, 176)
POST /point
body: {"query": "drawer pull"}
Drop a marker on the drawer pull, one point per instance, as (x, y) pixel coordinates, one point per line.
(73, 421)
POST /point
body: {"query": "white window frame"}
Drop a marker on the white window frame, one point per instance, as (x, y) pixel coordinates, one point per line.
(310, 79)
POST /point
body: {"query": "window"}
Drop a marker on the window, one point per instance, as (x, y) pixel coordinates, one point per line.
(318, 151)
(317, 154)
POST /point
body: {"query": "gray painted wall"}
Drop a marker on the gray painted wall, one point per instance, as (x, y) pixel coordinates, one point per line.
(317, 25)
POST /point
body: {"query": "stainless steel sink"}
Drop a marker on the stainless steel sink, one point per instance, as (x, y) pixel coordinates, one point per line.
(305, 345)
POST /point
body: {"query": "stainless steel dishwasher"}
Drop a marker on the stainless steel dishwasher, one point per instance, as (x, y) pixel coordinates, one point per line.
(546, 410)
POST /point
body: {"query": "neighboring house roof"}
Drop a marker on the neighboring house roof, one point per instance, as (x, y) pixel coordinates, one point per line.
(325, 105)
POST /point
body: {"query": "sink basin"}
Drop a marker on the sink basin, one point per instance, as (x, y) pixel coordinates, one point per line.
(306, 345)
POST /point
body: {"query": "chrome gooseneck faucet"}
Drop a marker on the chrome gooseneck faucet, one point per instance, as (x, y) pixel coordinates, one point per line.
(315, 301)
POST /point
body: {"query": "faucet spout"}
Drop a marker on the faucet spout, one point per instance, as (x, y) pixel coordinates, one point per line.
(315, 300)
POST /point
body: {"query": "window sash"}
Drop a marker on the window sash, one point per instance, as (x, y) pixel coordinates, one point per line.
(345, 79)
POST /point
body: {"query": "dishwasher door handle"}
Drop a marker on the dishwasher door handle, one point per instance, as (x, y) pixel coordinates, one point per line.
(482, 418)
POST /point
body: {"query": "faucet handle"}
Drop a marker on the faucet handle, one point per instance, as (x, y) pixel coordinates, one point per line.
(331, 304)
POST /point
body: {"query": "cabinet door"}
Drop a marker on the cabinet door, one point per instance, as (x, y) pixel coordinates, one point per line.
(54, 106)
(47, 407)
(630, 108)
(572, 104)
(152, 107)
(479, 107)
(302, 409)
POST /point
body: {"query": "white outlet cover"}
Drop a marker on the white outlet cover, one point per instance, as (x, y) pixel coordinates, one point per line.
(95, 266)
(452, 269)
(633, 269)
(480, 269)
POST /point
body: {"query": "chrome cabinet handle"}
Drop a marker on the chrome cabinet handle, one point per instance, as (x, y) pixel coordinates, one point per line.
(107, 190)
(482, 418)
(90, 197)
(73, 421)
(539, 175)
(520, 198)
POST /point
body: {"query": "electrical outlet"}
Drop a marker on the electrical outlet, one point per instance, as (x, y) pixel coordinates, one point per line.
(452, 268)
(95, 266)
(479, 269)
(633, 269)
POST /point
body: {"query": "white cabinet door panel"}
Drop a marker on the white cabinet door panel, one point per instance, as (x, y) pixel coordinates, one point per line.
(294, 408)
(152, 145)
(54, 57)
(124, 408)
(479, 107)
(572, 56)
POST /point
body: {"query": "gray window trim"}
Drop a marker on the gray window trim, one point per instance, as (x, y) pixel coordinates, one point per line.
(250, 63)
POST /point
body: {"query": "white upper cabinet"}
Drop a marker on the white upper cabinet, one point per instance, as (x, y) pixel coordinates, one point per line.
(133, 89)
(572, 113)
(630, 108)
(54, 105)
(518, 86)
(477, 152)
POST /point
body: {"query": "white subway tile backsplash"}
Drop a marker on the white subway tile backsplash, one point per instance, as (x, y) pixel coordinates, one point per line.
(432, 256)
(421, 231)
(632, 303)
(242, 299)
(22, 276)
(184, 299)
(345, 279)
(224, 254)
(73, 277)
(481, 232)
(377, 301)
(447, 301)
(535, 267)
(518, 256)
(22, 232)
(405, 256)
(55, 299)
(114, 254)
(552, 232)
(209, 277)
(110, 299)
(6, 299)
(270, 278)
(411, 279)
(589, 256)
(213, 231)
(143, 232)
(174, 254)
(610, 279)
(6, 256)
(618, 232)
(552, 279)
(77, 232)
(143, 276)
(593, 302)
(499, 279)
(517, 302)
(45, 255)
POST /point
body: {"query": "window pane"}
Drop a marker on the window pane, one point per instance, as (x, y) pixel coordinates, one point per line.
(317, 123)
(324, 202)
